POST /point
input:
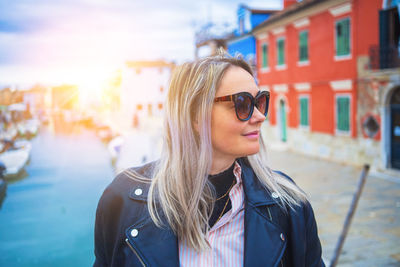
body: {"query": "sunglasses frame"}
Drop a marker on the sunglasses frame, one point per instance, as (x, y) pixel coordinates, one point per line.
(252, 99)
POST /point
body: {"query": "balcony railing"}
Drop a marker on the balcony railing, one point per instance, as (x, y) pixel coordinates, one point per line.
(386, 57)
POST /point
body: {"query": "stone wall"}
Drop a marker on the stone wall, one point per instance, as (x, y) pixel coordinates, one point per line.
(342, 149)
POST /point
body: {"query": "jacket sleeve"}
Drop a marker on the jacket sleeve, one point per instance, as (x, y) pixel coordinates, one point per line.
(313, 245)
(107, 225)
(99, 242)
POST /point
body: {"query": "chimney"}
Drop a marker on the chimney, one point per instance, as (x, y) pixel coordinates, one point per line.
(287, 3)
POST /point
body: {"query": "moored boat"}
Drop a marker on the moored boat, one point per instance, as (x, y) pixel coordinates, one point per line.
(15, 158)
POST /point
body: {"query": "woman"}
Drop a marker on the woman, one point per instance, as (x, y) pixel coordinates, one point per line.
(210, 200)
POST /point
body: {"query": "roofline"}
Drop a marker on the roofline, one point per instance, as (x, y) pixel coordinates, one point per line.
(264, 11)
(288, 11)
(259, 10)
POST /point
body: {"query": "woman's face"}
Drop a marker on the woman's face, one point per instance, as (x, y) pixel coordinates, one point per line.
(232, 138)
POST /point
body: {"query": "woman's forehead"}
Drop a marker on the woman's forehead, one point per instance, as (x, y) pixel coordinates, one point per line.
(236, 80)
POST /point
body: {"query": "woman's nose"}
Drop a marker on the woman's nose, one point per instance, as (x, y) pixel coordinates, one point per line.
(257, 116)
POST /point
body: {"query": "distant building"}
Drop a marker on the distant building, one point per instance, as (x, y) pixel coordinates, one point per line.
(35, 99)
(9, 96)
(144, 87)
(379, 87)
(65, 97)
(210, 38)
(333, 89)
(242, 41)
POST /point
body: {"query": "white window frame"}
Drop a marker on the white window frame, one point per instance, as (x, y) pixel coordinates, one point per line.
(304, 62)
(343, 57)
(303, 127)
(337, 131)
(265, 69)
(282, 66)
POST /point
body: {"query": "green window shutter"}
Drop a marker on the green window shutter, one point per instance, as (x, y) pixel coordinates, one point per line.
(264, 55)
(346, 37)
(304, 112)
(343, 114)
(281, 51)
(303, 46)
(343, 37)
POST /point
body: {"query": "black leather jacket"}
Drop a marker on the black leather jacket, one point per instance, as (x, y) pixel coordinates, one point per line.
(125, 235)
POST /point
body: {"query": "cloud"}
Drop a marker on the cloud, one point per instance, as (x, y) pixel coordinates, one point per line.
(48, 34)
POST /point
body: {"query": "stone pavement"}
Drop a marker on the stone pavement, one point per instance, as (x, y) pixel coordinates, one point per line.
(374, 235)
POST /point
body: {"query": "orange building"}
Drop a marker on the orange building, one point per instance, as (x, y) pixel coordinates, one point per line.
(64, 97)
(8, 96)
(314, 57)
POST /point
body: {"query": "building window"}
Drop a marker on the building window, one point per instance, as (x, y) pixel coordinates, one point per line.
(343, 113)
(303, 46)
(281, 51)
(241, 25)
(343, 37)
(264, 54)
(304, 114)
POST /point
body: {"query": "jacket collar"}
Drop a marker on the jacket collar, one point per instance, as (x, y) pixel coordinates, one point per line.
(256, 194)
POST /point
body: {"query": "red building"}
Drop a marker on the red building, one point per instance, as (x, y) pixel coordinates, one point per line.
(315, 59)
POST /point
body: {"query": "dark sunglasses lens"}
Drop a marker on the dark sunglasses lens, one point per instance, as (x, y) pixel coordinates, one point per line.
(262, 103)
(243, 106)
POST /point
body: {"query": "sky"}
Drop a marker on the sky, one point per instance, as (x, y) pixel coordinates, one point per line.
(80, 41)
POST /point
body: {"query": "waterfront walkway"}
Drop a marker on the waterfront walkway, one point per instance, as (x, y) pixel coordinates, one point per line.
(374, 235)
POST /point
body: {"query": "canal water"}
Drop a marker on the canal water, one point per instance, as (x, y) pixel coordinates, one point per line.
(47, 217)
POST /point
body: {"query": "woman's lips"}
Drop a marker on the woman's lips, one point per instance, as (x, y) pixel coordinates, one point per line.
(253, 134)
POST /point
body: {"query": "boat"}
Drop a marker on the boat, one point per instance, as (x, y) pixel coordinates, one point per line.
(15, 158)
(28, 128)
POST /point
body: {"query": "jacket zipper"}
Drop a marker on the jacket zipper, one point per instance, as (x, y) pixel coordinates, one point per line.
(134, 251)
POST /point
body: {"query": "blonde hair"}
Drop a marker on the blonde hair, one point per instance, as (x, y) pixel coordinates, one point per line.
(179, 185)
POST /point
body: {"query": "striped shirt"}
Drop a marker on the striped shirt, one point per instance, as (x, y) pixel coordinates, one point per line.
(226, 237)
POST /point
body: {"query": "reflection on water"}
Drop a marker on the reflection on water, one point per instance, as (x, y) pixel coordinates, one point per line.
(47, 217)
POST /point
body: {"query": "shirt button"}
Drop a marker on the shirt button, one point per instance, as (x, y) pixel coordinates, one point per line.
(134, 232)
(138, 192)
(282, 237)
(275, 195)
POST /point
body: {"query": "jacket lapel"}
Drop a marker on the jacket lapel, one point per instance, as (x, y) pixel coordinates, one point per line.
(153, 245)
(264, 241)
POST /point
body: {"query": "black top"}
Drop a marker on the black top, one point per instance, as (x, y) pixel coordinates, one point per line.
(222, 183)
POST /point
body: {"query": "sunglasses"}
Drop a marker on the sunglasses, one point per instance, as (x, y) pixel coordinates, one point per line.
(245, 102)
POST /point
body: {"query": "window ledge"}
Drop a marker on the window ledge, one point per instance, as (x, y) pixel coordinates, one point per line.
(304, 128)
(303, 63)
(344, 57)
(280, 67)
(264, 70)
(342, 133)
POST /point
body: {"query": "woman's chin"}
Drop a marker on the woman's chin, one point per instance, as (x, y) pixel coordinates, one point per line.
(252, 151)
